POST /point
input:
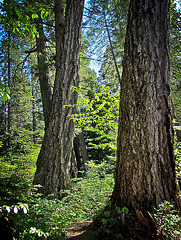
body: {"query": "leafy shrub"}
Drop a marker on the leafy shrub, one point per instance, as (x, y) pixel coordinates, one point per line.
(167, 217)
(178, 164)
(11, 217)
(168, 220)
(48, 219)
(89, 194)
(13, 190)
(17, 171)
(98, 117)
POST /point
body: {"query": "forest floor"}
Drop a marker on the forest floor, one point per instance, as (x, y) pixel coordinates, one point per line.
(89, 230)
(82, 231)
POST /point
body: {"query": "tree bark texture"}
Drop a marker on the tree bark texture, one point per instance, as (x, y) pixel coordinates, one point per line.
(80, 150)
(54, 161)
(45, 85)
(145, 170)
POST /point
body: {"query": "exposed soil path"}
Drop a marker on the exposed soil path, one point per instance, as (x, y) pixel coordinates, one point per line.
(82, 231)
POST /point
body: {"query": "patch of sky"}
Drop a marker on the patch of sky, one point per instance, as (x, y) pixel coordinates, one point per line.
(178, 4)
(95, 62)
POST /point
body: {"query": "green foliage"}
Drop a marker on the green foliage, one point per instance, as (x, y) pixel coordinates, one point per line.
(44, 219)
(175, 40)
(32, 216)
(20, 16)
(168, 220)
(48, 219)
(178, 164)
(115, 14)
(102, 110)
(17, 172)
(110, 218)
(13, 190)
(121, 211)
(90, 193)
(4, 92)
(99, 118)
(166, 216)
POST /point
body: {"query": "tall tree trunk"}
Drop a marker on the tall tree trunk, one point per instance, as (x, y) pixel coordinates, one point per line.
(34, 123)
(145, 168)
(45, 85)
(112, 49)
(53, 165)
(9, 123)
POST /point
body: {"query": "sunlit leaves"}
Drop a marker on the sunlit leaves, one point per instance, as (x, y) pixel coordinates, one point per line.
(7, 209)
(4, 92)
(18, 12)
(34, 16)
(100, 115)
(15, 208)
(20, 18)
(103, 109)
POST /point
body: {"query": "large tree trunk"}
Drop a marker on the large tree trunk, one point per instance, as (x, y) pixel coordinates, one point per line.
(145, 170)
(44, 80)
(54, 161)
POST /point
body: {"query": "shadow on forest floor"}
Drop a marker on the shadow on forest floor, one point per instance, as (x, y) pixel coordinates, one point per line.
(88, 230)
(82, 231)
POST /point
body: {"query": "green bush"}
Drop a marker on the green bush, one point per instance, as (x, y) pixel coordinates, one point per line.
(168, 220)
(16, 175)
(167, 217)
(178, 164)
(48, 219)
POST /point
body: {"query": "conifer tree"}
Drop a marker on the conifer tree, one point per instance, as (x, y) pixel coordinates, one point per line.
(54, 161)
(145, 167)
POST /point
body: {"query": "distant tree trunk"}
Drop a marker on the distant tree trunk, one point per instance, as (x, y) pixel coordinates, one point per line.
(45, 84)
(145, 168)
(80, 150)
(54, 161)
(83, 150)
(9, 123)
(73, 164)
(34, 114)
(112, 49)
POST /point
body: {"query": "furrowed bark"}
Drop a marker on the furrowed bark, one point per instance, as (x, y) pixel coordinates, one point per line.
(45, 85)
(54, 161)
(145, 168)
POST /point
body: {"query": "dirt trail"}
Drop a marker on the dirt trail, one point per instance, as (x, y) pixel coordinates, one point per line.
(82, 231)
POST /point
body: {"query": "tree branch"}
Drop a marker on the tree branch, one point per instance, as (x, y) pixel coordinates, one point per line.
(29, 51)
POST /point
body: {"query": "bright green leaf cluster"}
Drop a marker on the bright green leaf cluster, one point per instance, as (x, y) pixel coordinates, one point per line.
(99, 115)
(20, 18)
(4, 92)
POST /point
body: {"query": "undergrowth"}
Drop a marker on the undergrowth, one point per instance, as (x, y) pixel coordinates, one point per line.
(168, 220)
(28, 216)
(167, 216)
(48, 219)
